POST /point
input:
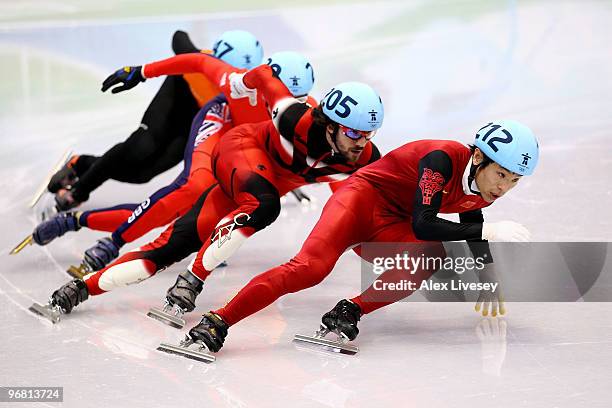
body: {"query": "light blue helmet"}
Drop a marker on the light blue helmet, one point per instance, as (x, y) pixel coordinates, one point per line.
(238, 48)
(510, 144)
(294, 70)
(354, 105)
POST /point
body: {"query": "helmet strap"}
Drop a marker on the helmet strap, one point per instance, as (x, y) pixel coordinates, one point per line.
(472, 177)
(333, 137)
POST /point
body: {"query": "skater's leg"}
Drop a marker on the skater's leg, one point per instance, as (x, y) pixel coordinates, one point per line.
(179, 240)
(167, 118)
(175, 199)
(187, 287)
(106, 219)
(345, 220)
(373, 297)
(246, 174)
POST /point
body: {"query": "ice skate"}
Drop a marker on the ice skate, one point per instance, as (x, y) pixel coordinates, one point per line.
(183, 349)
(64, 200)
(341, 320)
(209, 334)
(180, 299)
(49, 311)
(79, 272)
(98, 256)
(172, 315)
(24, 243)
(62, 301)
(45, 209)
(47, 231)
(43, 186)
(339, 345)
(65, 177)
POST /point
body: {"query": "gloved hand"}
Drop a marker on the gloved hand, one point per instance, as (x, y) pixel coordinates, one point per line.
(128, 76)
(505, 231)
(299, 195)
(490, 299)
(239, 90)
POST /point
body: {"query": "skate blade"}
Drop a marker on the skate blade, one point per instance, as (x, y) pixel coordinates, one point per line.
(186, 352)
(333, 345)
(166, 318)
(45, 311)
(43, 186)
(26, 241)
(78, 272)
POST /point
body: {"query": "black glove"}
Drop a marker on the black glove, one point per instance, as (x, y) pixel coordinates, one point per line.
(128, 76)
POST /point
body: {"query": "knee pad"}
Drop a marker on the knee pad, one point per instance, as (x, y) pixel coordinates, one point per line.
(126, 273)
(266, 212)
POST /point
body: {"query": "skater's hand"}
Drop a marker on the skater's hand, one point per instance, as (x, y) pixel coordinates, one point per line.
(491, 299)
(505, 231)
(300, 195)
(239, 90)
(128, 76)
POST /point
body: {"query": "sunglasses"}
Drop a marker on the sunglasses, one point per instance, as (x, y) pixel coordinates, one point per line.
(357, 134)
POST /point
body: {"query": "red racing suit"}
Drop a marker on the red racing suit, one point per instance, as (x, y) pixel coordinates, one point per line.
(396, 199)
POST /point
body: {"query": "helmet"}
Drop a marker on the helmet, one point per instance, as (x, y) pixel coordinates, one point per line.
(238, 48)
(510, 144)
(354, 105)
(294, 70)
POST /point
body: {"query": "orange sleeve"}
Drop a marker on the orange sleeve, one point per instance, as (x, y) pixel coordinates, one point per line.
(213, 68)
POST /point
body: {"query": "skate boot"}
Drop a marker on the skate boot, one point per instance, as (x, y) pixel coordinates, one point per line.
(209, 334)
(341, 320)
(211, 331)
(64, 177)
(57, 226)
(101, 254)
(180, 299)
(62, 300)
(64, 200)
(181, 43)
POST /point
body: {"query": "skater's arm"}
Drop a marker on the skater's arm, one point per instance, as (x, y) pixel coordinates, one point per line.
(213, 68)
(479, 247)
(435, 169)
(279, 98)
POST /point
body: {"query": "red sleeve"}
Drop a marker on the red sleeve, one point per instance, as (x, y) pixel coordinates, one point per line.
(272, 89)
(213, 68)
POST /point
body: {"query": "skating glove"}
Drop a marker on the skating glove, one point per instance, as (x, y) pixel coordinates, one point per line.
(505, 231)
(128, 76)
(492, 299)
(239, 90)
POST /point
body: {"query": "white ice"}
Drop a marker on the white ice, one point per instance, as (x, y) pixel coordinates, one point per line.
(444, 69)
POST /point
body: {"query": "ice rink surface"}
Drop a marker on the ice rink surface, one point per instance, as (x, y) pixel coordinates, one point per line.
(444, 69)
